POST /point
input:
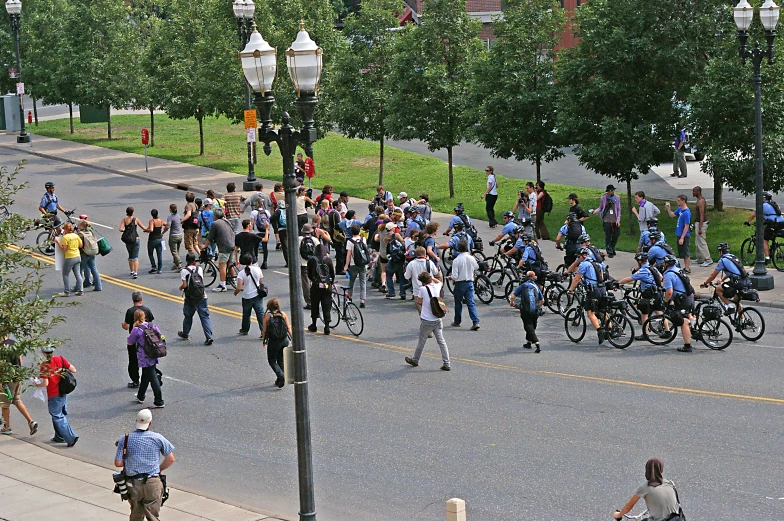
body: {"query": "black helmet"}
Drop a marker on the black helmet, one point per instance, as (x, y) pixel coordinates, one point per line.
(583, 251)
(371, 207)
(723, 247)
(459, 208)
(414, 209)
(767, 195)
(655, 236)
(571, 217)
(669, 259)
(518, 229)
(49, 185)
(508, 214)
(641, 256)
(653, 221)
(407, 211)
(527, 237)
(583, 238)
(458, 226)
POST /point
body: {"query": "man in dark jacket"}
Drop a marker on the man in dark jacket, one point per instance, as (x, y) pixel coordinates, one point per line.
(321, 273)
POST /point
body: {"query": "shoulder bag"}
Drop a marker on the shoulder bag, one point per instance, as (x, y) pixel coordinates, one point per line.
(262, 290)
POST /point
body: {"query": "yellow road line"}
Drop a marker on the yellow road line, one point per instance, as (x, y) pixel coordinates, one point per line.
(478, 363)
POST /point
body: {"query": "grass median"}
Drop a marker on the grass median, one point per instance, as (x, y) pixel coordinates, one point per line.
(352, 165)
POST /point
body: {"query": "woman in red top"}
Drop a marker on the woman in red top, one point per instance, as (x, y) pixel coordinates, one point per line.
(50, 378)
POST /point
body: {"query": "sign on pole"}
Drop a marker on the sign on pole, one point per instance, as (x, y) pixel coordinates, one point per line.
(251, 133)
(12, 72)
(250, 119)
(20, 89)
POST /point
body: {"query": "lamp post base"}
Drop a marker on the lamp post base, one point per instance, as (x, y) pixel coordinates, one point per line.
(23, 139)
(249, 186)
(762, 282)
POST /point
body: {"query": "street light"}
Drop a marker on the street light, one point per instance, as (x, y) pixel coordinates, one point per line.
(769, 17)
(14, 8)
(259, 66)
(243, 12)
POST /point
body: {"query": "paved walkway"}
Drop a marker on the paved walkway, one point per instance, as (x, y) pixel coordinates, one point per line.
(37, 483)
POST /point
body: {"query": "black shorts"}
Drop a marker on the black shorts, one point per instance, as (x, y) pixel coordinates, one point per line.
(593, 296)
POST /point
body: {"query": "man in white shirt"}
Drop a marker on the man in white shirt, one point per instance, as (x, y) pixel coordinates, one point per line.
(343, 204)
(249, 281)
(529, 187)
(491, 196)
(463, 268)
(195, 300)
(418, 265)
(429, 323)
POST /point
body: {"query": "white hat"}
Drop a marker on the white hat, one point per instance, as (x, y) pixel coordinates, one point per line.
(207, 202)
(281, 205)
(402, 195)
(143, 419)
(390, 227)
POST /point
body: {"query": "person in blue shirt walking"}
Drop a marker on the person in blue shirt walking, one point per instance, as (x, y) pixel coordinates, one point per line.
(682, 230)
(735, 276)
(587, 274)
(648, 287)
(771, 213)
(531, 300)
(675, 295)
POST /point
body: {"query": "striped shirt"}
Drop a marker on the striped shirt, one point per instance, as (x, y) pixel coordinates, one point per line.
(231, 207)
(144, 452)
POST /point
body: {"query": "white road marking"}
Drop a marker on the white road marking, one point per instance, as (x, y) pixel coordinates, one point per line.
(177, 380)
(281, 273)
(101, 225)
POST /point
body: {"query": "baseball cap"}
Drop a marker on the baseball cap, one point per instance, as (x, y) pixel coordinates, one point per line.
(402, 195)
(390, 227)
(610, 188)
(83, 217)
(207, 202)
(143, 419)
(281, 205)
(300, 179)
(343, 194)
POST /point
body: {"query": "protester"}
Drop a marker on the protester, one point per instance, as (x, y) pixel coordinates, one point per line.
(250, 281)
(307, 248)
(394, 246)
(195, 299)
(89, 251)
(531, 301)
(247, 242)
(231, 207)
(321, 273)
(70, 244)
(14, 387)
(541, 196)
(276, 332)
(644, 211)
(429, 323)
(463, 268)
(133, 363)
(222, 235)
(50, 378)
(147, 365)
(610, 211)
(260, 217)
(701, 227)
(155, 241)
(357, 250)
(302, 209)
(174, 227)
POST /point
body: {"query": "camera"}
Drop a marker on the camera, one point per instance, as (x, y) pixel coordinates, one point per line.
(119, 485)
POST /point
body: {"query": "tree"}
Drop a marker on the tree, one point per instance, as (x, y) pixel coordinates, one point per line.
(25, 315)
(434, 62)
(514, 96)
(359, 80)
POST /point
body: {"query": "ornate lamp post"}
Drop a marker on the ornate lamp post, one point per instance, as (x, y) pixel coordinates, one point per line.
(259, 64)
(769, 17)
(243, 12)
(14, 8)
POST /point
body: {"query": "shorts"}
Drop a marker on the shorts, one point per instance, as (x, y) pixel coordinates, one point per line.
(223, 258)
(683, 249)
(16, 392)
(592, 296)
(729, 290)
(133, 250)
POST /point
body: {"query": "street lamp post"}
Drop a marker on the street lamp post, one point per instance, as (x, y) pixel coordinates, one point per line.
(259, 64)
(14, 8)
(769, 17)
(243, 12)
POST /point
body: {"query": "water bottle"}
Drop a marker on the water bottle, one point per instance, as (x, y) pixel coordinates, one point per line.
(348, 275)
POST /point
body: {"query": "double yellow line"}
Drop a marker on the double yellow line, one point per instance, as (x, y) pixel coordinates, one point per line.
(470, 361)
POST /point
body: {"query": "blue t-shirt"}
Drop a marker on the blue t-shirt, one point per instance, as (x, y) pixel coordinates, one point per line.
(645, 277)
(769, 214)
(563, 230)
(456, 219)
(673, 281)
(645, 238)
(206, 218)
(49, 202)
(346, 225)
(727, 266)
(431, 242)
(588, 272)
(519, 245)
(656, 254)
(684, 220)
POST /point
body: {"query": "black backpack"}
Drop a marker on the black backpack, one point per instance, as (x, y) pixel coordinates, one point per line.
(738, 264)
(361, 255)
(573, 231)
(194, 290)
(666, 247)
(547, 203)
(276, 327)
(469, 228)
(396, 251)
(307, 247)
(686, 283)
(601, 276)
(322, 272)
(775, 206)
(153, 344)
(599, 255)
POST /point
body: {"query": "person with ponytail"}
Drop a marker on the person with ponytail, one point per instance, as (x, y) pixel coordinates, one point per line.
(659, 494)
(251, 282)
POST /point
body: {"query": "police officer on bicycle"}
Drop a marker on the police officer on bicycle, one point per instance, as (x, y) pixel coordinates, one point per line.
(676, 295)
(590, 274)
(735, 278)
(647, 276)
(49, 204)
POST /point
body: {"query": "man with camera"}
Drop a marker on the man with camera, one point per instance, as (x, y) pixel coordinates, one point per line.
(139, 455)
(525, 207)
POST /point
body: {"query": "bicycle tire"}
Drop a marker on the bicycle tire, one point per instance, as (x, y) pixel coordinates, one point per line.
(44, 244)
(659, 330)
(483, 289)
(335, 315)
(565, 302)
(618, 336)
(777, 255)
(496, 278)
(509, 288)
(353, 319)
(231, 276)
(446, 259)
(450, 285)
(748, 323)
(210, 273)
(747, 255)
(479, 256)
(575, 324)
(551, 296)
(716, 334)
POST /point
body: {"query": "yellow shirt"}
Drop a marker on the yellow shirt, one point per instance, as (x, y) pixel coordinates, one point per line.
(71, 242)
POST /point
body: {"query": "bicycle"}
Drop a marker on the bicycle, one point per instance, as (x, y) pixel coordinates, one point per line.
(45, 240)
(618, 328)
(775, 250)
(344, 309)
(209, 269)
(483, 289)
(709, 328)
(747, 321)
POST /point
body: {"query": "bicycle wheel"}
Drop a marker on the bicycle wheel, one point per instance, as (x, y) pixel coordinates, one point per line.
(659, 330)
(777, 255)
(509, 288)
(562, 269)
(633, 313)
(716, 334)
(231, 276)
(45, 244)
(353, 319)
(751, 324)
(497, 282)
(483, 289)
(551, 296)
(565, 302)
(479, 256)
(334, 315)
(574, 324)
(446, 259)
(210, 271)
(747, 254)
(450, 285)
(620, 332)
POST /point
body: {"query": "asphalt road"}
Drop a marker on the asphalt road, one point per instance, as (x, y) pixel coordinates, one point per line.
(519, 436)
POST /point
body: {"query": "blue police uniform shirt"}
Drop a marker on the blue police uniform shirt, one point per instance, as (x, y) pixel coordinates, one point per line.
(769, 214)
(563, 230)
(457, 238)
(656, 254)
(346, 225)
(684, 220)
(588, 272)
(673, 281)
(49, 202)
(529, 254)
(412, 227)
(727, 266)
(644, 276)
(519, 245)
(456, 219)
(369, 216)
(508, 227)
(645, 237)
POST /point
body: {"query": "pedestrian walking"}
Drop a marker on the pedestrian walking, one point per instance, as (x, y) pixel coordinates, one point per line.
(190, 224)
(644, 211)
(575, 208)
(130, 236)
(147, 365)
(420, 264)
(195, 299)
(88, 254)
(174, 227)
(307, 248)
(51, 368)
(302, 206)
(701, 226)
(250, 281)
(14, 388)
(133, 363)
(70, 244)
(279, 221)
(682, 230)
(231, 207)
(260, 218)
(396, 264)
(610, 211)
(429, 322)
(206, 217)
(491, 196)
(155, 241)
(321, 273)
(357, 250)
(222, 235)
(278, 195)
(276, 333)
(679, 154)
(139, 455)
(463, 268)
(531, 301)
(544, 204)
(248, 242)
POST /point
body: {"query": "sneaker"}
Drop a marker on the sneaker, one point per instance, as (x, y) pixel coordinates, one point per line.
(383, 289)
(446, 368)
(73, 442)
(79, 293)
(152, 270)
(133, 385)
(538, 350)
(389, 296)
(57, 440)
(706, 264)
(362, 304)
(264, 266)
(243, 333)
(527, 345)
(410, 361)
(312, 328)
(136, 398)
(685, 349)
(161, 406)
(454, 324)
(475, 327)
(600, 334)
(219, 289)
(277, 246)
(63, 294)
(681, 177)
(402, 297)
(182, 335)
(280, 382)
(158, 272)
(674, 174)
(33, 427)
(134, 275)
(97, 289)
(208, 342)
(88, 284)
(640, 338)
(6, 430)
(688, 272)
(306, 306)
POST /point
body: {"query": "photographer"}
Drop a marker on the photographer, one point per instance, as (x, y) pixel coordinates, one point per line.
(525, 206)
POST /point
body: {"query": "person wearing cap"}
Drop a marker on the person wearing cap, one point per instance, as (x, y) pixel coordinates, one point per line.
(190, 223)
(88, 253)
(342, 207)
(222, 235)
(50, 377)
(140, 458)
(310, 242)
(406, 201)
(531, 301)
(610, 210)
(490, 196)
(574, 203)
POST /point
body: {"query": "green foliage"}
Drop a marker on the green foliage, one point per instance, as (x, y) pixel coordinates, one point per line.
(25, 315)
(514, 96)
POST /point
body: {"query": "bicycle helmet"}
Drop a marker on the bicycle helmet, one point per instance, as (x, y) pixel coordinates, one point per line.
(653, 221)
(669, 259)
(527, 237)
(407, 211)
(767, 195)
(655, 236)
(459, 209)
(583, 238)
(508, 214)
(49, 185)
(518, 230)
(571, 217)
(458, 226)
(371, 207)
(583, 251)
(723, 247)
(414, 209)
(641, 256)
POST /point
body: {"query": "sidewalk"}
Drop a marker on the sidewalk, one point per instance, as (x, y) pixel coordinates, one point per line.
(36, 483)
(199, 179)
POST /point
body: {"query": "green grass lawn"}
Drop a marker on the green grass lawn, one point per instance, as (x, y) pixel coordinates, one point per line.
(352, 165)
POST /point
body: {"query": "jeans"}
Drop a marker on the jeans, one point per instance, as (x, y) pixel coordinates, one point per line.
(88, 268)
(358, 272)
(340, 257)
(133, 364)
(175, 241)
(72, 265)
(155, 246)
(490, 200)
(275, 355)
(425, 328)
(283, 237)
(150, 376)
(611, 233)
(396, 269)
(252, 304)
(193, 306)
(59, 413)
(465, 290)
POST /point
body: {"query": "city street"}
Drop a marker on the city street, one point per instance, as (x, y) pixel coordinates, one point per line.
(563, 434)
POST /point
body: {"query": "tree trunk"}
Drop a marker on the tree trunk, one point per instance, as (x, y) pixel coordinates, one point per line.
(70, 115)
(538, 168)
(381, 161)
(109, 121)
(718, 193)
(451, 176)
(152, 126)
(201, 135)
(35, 111)
(632, 220)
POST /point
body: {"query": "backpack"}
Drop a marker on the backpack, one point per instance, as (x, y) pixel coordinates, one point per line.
(307, 248)
(775, 206)
(153, 344)
(194, 290)
(67, 379)
(129, 234)
(547, 203)
(276, 327)
(686, 283)
(573, 231)
(395, 251)
(528, 299)
(738, 264)
(361, 254)
(469, 228)
(437, 305)
(601, 276)
(322, 272)
(90, 242)
(261, 218)
(599, 255)
(420, 222)
(666, 247)
(282, 218)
